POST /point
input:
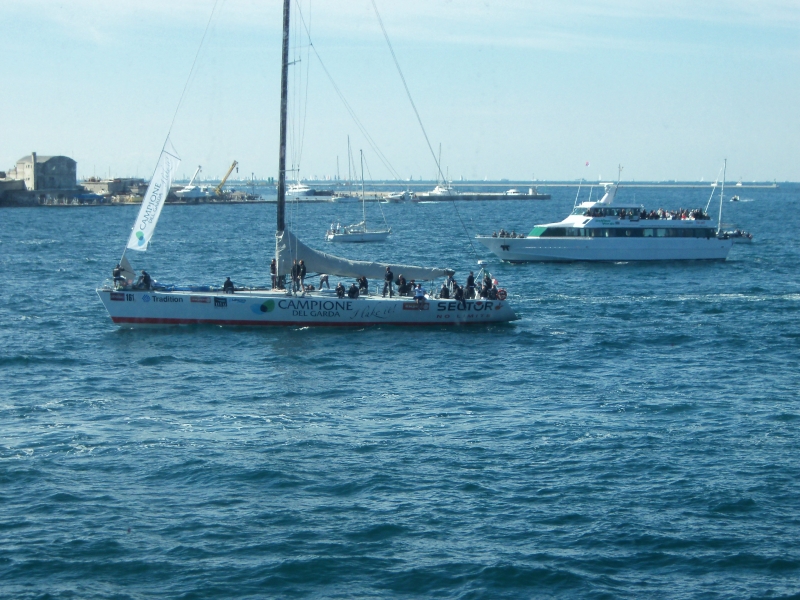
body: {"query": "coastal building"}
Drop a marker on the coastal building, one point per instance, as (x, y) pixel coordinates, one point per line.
(45, 172)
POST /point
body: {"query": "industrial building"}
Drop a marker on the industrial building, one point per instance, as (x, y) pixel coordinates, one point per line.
(45, 172)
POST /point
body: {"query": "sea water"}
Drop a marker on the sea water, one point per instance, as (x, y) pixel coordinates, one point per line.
(634, 435)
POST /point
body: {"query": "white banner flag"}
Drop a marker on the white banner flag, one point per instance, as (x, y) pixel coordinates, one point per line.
(153, 202)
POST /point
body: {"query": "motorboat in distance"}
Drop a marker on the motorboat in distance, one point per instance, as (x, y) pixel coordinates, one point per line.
(604, 230)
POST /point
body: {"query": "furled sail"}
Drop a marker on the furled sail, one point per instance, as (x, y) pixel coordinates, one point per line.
(153, 201)
(290, 248)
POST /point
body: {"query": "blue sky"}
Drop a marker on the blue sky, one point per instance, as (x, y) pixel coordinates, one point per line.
(510, 89)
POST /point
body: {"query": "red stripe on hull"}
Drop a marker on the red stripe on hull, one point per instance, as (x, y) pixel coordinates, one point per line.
(150, 321)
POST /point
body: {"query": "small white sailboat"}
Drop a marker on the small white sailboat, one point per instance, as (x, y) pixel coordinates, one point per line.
(146, 303)
(357, 233)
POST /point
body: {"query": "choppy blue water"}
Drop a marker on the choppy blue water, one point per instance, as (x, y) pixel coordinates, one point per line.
(634, 435)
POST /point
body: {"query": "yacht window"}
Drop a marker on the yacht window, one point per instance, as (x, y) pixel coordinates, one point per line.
(555, 232)
(661, 233)
(537, 231)
(647, 232)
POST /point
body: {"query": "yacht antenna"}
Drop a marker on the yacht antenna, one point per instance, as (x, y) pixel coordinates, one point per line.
(281, 217)
(619, 174)
(579, 192)
(721, 193)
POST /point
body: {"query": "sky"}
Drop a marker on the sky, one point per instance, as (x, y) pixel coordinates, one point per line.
(509, 89)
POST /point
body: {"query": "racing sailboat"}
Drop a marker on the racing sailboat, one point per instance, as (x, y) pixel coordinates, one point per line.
(145, 303)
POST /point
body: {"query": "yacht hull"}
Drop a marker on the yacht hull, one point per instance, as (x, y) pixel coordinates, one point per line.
(264, 308)
(572, 249)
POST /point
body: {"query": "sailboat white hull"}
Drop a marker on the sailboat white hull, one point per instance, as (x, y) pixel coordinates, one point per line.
(137, 308)
(357, 237)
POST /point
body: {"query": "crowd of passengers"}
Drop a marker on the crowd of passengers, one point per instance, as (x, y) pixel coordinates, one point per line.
(627, 213)
(505, 234)
(485, 290)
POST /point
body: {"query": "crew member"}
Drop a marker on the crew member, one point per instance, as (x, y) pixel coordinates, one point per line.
(323, 278)
(295, 276)
(273, 269)
(302, 273)
(419, 294)
(444, 292)
(363, 285)
(388, 279)
(471, 285)
(402, 286)
(340, 290)
(117, 275)
(353, 291)
(145, 282)
(227, 287)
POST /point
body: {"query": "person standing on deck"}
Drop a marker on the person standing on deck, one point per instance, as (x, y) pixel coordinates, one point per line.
(388, 281)
(273, 269)
(302, 274)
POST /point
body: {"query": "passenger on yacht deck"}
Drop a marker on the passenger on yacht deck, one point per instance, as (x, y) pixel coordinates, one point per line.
(492, 293)
(145, 282)
(302, 273)
(340, 290)
(419, 294)
(444, 292)
(363, 285)
(402, 286)
(295, 276)
(471, 285)
(353, 291)
(227, 287)
(117, 275)
(459, 293)
(323, 278)
(388, 278)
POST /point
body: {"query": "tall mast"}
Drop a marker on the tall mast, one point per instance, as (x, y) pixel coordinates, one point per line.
(284, 94)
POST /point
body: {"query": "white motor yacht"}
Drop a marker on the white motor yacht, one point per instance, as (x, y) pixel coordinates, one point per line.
(609, 231)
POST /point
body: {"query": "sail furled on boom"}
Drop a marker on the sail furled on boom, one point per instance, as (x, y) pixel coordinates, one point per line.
(290, 248)
(153, 201)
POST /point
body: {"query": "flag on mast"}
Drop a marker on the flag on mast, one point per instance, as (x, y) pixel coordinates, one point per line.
(153, 202)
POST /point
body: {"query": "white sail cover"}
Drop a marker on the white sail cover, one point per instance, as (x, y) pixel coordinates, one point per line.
(290, 248)
(153, 201)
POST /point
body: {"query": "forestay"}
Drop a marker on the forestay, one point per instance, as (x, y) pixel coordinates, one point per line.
(290, 248)
(153, 201)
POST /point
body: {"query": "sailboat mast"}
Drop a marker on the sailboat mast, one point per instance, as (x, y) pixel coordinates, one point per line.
(721, 192)
(284, 94)
(363, 202)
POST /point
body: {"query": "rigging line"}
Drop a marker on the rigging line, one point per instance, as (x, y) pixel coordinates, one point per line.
(385, 222)
(419, 120)
(191, 71)
(304, 120)
(347, 106)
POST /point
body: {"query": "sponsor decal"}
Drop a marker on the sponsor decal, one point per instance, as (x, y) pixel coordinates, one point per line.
(220, 302)
(239, 300)
(118, 296)
(140, 238)
(267, 306)
(201, 299)
(165, 299)
(415, 306)
(468, 305)
(315, 308)
(145, 297)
